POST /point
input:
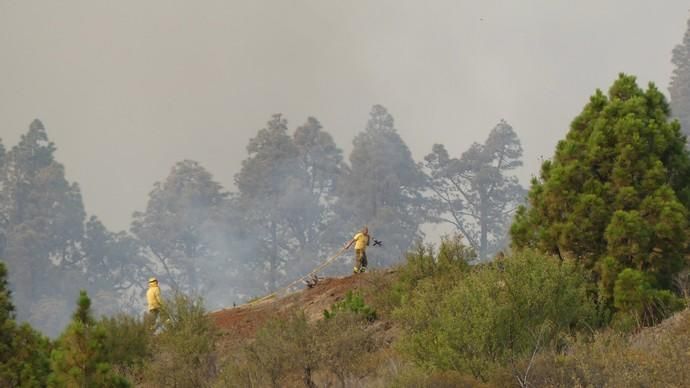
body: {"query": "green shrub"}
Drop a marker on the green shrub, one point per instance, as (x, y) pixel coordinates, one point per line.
(127, 344)
(353, 302)
(418, 378)
(183, 353)
(638, 304)
(494, 314)
(80, 357)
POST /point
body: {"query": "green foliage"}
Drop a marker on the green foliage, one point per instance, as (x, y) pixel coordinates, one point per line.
(6, 306)
(494, 313)
(127, 344)
(615, 195)
(183, 353)
(445, 267)
(639, 303)
(79, 358)
(353, 302)
(24, 353)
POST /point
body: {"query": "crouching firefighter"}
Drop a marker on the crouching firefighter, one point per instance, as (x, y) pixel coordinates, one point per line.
(361, 241)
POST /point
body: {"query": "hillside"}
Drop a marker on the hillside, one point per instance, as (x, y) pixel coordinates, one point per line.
(611, 359)
(243, 321)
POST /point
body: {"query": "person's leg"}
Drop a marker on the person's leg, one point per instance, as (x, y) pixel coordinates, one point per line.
(363, 265)
(152, 319)
(358, 260)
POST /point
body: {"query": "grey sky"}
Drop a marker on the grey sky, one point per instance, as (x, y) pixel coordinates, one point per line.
(127, 88)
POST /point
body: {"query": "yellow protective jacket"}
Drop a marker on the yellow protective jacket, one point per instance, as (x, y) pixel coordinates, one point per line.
(361, 241)
(153, 296)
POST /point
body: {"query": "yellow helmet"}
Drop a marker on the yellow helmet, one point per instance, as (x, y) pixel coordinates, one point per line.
(153, 280)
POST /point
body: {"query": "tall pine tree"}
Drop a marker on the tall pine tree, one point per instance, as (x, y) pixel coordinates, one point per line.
(615, 194)
(43, 219)
(382, 189)
(477, 193)
(180, 213)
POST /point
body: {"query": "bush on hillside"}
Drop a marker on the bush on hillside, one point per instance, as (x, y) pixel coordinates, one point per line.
(127, 343)
(290, 351)
(353, 302)
(445, 265)
(651, 358)
(495, 314)
(183, 353)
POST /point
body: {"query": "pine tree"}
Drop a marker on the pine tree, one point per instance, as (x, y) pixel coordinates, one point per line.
(477, 193)
(615, 195)
(43, 215)
(270, 186)
(180, 212)
(382, 189)
(79, 359)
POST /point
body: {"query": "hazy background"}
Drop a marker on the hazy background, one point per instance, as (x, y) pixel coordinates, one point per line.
(128, 88)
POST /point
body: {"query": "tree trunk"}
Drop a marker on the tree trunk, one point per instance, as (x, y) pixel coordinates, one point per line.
(483, 241)
(274, 256)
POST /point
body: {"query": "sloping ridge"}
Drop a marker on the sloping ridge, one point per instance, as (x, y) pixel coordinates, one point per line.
(245, 320)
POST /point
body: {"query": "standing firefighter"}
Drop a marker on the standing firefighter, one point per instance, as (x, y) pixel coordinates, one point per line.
(361, 241)
(153, 297)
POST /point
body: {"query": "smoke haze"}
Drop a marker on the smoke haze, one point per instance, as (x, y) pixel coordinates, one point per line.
(128, 88)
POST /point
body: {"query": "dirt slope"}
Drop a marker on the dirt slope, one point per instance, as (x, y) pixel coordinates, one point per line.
(244, 320)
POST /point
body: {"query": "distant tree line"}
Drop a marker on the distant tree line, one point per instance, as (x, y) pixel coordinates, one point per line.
(296, 201)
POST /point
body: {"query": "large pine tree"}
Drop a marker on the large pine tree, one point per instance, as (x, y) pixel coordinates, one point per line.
(42, 216)
(478, 192)
(382, 189)
(179, 217)
(615, 194)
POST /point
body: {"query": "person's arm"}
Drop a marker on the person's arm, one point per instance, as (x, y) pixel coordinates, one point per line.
(349, 244)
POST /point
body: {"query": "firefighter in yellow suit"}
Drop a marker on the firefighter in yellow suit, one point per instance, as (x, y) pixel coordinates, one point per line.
(153, 297)
(361, 241)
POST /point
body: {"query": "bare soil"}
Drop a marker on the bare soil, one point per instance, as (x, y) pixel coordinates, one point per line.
(246, 319)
